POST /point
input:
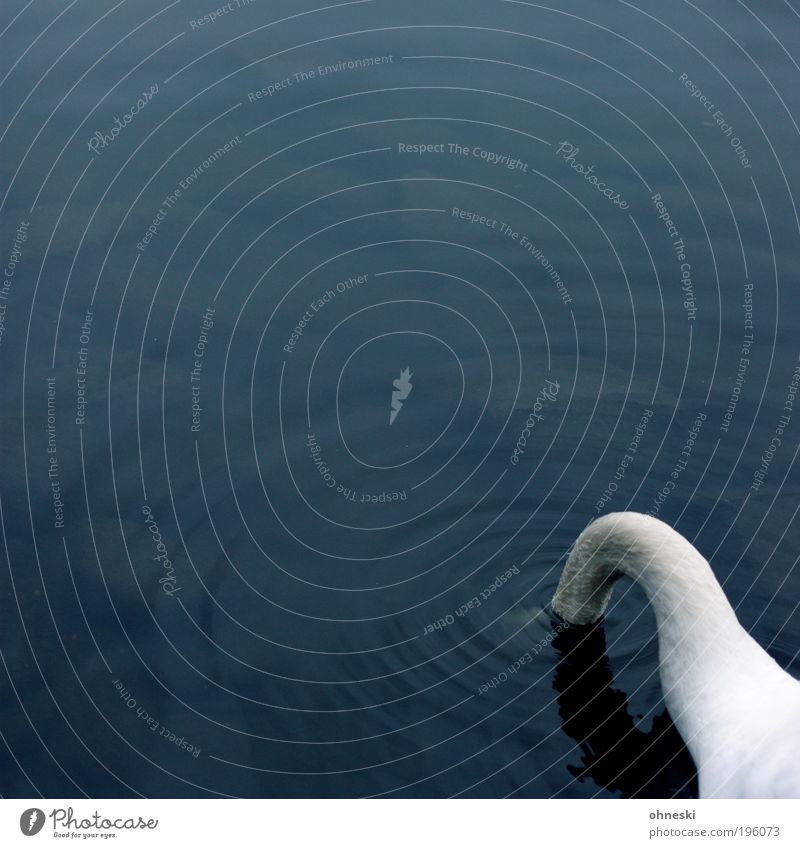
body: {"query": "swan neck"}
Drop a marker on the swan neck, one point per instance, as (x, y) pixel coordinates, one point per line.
(676, 578)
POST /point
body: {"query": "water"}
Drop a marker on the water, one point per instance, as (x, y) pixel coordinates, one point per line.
(227, 570)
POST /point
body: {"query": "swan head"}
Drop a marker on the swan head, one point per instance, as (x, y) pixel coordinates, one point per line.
(616, 544)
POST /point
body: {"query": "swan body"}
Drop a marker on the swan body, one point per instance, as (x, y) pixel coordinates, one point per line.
(737, 710)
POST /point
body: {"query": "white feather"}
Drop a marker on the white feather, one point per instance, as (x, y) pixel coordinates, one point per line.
(737, 710)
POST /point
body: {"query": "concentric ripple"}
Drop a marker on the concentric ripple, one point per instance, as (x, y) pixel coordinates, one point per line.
(325, 330)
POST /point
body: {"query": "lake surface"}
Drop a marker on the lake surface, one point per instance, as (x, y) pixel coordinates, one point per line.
(326, 328)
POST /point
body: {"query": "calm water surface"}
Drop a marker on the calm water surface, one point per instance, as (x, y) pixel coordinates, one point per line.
(328, 329)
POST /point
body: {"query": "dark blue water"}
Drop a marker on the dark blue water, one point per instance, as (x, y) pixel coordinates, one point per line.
(326, 328)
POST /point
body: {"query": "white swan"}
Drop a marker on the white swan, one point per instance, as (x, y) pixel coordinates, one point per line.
(737, 710)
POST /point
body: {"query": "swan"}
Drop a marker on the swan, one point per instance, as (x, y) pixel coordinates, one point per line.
(737, 710)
